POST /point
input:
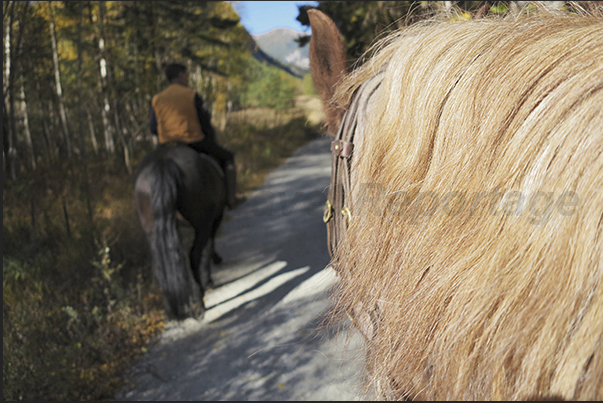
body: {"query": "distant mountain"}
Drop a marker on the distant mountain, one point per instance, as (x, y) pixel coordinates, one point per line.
(263, 57)
(280, 44)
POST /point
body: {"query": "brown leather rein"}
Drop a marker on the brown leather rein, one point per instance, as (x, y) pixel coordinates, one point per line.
(338, 213)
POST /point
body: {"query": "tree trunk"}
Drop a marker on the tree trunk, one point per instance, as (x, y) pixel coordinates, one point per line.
(51, 142)
(66, 217)
(25, 114)
(109, 89)
(59, 88)
(92, 131)
(153, 42)
(12, 54)
(84, 154)
(102, 68)
(108, 129)
(122, 137)
(8, 101)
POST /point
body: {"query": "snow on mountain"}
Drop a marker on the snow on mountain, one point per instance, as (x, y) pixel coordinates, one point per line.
(280, 44)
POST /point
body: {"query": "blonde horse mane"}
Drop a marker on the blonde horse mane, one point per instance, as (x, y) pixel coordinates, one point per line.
(476, 238)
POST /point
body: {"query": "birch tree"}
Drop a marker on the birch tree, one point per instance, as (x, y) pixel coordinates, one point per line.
(92, 131)
(8, 103)
(80, 110)
(58, 85)
(27, 131)
(102, 69)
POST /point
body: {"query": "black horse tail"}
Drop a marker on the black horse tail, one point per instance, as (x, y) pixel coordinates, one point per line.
(170, 265)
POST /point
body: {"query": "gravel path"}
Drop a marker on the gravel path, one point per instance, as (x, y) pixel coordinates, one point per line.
(263, 336)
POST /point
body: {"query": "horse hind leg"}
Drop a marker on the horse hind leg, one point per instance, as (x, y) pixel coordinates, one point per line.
(209, 255)
(200, 258)
(216, 258)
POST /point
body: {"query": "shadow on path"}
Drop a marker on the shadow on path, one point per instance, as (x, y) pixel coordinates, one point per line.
(264, 335)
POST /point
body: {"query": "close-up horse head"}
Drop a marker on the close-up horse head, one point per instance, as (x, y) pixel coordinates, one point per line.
(465, 213)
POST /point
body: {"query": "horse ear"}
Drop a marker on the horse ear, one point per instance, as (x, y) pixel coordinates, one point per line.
(327, 64)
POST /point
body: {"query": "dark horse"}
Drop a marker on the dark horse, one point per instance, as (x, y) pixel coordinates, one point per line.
(176, 179)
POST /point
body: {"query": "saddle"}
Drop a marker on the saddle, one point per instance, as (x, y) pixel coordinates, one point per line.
(204, 156)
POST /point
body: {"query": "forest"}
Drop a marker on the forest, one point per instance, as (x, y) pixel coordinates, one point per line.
(79, 300)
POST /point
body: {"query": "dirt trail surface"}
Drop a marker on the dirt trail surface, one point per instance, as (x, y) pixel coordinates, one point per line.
(263, 336)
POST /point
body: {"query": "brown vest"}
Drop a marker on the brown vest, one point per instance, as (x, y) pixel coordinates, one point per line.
(176, 115)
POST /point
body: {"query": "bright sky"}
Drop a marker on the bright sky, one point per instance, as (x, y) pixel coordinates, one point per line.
(259, 17)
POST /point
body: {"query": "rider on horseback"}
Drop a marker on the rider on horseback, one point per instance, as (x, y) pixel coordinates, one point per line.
(178, 114)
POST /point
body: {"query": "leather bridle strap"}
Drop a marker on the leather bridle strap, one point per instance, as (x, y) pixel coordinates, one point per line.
(337, 212)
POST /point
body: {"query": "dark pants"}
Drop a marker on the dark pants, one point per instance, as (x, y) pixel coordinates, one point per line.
(226, 160)
(213, 149)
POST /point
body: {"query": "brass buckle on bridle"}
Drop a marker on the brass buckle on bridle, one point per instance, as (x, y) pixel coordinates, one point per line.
(328, 212)
(346, 212)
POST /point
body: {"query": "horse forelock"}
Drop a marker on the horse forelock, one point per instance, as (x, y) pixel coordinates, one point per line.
(477, 224)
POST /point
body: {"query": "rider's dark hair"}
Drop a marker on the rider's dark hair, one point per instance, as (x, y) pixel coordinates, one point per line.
(173, 70)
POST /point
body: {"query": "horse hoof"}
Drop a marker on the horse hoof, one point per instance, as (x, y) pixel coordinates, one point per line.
(198, 311)
(217, 258)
